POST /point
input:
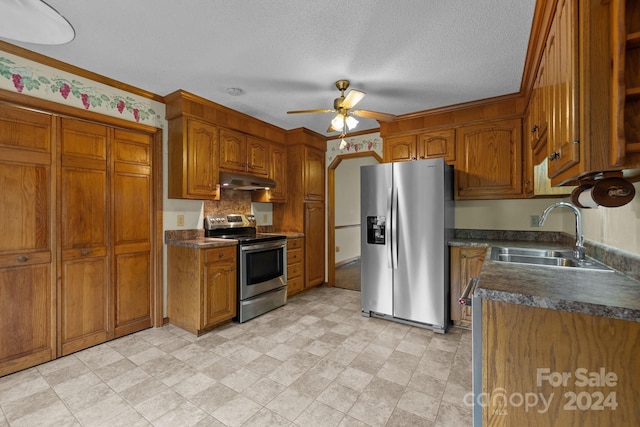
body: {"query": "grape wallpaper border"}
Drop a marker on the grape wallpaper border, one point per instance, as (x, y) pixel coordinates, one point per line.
(355, 144)
(41, 81)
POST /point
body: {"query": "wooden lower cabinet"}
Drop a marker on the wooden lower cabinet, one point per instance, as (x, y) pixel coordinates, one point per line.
(314, 244)
(27, 254)
(295, 265)
(585, 367)
(201, 287)
(466, 263)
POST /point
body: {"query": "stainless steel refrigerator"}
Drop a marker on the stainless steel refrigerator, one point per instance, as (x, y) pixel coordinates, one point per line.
(407, 220)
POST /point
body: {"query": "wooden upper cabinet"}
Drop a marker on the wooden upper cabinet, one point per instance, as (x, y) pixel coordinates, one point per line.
(563, 66)
(426, 145)
(489, 160)
(400, 148)
(233, 150)
(257, 157)
(27, 251)
(277, 172)
(625, 141)
(313, 174)
(242, 153)
(436, 144)
(193, 159)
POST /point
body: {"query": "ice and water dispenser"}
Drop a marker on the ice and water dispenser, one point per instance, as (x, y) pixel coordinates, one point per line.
(375, 229)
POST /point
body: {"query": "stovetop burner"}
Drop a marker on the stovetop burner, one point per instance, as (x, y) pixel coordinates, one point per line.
(239, 227)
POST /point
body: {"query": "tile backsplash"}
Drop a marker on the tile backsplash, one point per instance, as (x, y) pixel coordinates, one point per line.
(231, 201)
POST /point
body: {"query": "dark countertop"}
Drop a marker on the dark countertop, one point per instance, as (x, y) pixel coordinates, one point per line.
(203, 242)
(605, 294)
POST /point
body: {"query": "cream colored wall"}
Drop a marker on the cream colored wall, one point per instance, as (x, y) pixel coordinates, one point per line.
(509, 214)
(347, 207)
(614, 227)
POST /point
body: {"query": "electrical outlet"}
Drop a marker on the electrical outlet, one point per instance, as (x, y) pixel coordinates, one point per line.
(337, 248)
(180, 220)
(533, 220)
(265, 218)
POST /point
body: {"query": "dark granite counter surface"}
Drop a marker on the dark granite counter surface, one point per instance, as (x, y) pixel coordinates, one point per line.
(606, 294)
(203, 242)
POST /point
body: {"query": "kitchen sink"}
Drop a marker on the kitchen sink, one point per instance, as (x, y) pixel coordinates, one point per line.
(545, 257)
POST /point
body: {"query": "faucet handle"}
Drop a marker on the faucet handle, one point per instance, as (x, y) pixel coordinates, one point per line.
(579, 251)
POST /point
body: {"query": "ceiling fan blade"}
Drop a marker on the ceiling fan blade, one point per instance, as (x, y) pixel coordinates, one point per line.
(310, 111)
(353, 97)
(381, 117)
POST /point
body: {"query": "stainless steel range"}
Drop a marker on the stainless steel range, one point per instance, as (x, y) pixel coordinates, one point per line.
(261, 267)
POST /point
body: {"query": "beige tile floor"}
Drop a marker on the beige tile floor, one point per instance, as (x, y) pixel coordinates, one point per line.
(314, 362)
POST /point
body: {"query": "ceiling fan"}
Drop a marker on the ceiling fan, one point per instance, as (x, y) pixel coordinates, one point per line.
(343, 106)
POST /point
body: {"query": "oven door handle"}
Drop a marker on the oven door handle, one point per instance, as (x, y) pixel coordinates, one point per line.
(261, 246)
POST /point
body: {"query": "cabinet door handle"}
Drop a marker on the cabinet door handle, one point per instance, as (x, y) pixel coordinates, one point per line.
(22, 258)
(554, 156)
(85, 252)
(535, 128)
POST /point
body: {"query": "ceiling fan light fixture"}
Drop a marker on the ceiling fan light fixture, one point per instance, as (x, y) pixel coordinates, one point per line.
(351, 122)
(337, 123)
(34, 21)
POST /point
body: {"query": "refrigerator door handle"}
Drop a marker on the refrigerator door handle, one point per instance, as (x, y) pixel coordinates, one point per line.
(394, 228)
(388, 228)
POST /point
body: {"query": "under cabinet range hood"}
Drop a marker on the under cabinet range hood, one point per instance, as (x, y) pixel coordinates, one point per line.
(236, 181)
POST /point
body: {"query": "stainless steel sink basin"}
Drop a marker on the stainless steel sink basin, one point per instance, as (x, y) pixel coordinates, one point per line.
(530, 252)
(545, 257)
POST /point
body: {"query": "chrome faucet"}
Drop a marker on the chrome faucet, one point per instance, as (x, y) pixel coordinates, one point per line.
(578, 249)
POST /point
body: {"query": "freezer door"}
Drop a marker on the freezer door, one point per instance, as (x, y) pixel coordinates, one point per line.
(419, 280)
(376, 282)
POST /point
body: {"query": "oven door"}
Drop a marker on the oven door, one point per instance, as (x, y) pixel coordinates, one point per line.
(262, 267)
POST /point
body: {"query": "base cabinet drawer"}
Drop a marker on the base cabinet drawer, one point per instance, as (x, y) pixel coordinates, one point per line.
(295, 285)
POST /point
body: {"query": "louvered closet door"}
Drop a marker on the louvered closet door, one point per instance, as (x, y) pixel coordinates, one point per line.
(83, 221)
(131, 205)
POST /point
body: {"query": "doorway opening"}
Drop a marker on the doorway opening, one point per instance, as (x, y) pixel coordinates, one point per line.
(343, 218)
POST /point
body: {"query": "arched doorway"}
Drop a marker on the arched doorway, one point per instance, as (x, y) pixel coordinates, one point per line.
(331, 207)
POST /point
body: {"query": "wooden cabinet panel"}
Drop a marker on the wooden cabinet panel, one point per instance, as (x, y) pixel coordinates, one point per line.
(518, 341)
(400, 148)
(131, 199)
(427, 145)
(314, 175)
(257, 157)
(220, 290)
(201, 285)
(562, 57)
(295, 265)
(233, 150)
(466, 263)
(625, 141)
(193, 160)
(489, 160)
(83, 219)
(435, 144)
(314, 244)
(27, 269)
(277, 172)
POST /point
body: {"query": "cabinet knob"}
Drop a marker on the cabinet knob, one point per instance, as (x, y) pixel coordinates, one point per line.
(421, 157)
(221, 254)
(535, 128)
(463, 256)
(23, 258)
(554, 156)
(413, 158)
(85, 252)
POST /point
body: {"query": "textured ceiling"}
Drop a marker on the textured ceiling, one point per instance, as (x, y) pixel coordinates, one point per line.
(409, 55)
